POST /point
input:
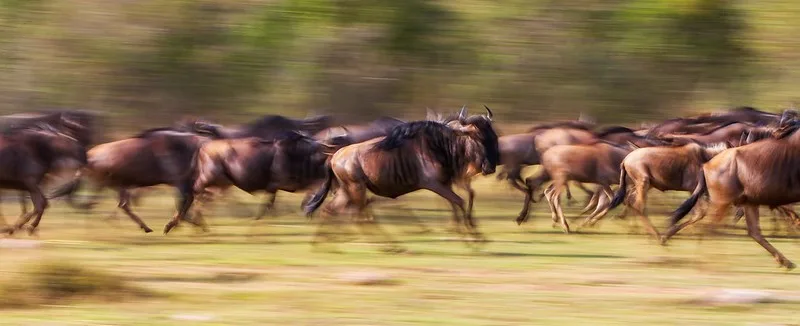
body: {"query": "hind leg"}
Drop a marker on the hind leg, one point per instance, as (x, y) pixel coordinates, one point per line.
(125, 205)
(555, 198)
(268, 205)
(533, 184)
(39, 205)
(754, 231)
(640, 207)
(458, 203)
(603, 204)
(548, 196)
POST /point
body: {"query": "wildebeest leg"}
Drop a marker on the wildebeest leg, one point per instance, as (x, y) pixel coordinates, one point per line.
(719, 211)
(23, 204)
(186, 189)
(588, 192)
(738, 215)
(640, 207)
(125, 205)
(754, 231)
(39, 205)
(268, 205)
(370, 223)
(533, 184)
(603, 205)
(791, 218)
(556, 200)
(548, 192)
(592, 203)
(457, 203)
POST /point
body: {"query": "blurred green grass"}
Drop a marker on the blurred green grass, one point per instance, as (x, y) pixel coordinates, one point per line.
(264, 272)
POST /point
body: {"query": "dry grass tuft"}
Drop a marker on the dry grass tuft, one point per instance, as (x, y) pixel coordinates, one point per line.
(56, 282)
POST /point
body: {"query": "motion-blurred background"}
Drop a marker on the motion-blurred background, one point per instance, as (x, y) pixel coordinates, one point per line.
(618, 61)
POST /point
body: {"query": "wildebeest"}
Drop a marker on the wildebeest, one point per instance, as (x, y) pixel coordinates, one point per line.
(664, 168)
(596, 163)
(290, 162)
(81, 125)
(27, 154)
(267, 127)
(614, 135)
(525, 149)
(765, 173)
(415, 155)
(159, 156)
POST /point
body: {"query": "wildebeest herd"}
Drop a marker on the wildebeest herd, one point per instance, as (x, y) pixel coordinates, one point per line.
(743, 158)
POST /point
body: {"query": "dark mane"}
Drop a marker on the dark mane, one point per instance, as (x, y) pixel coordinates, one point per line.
(401, 133)
(613, 130)
(438, 139)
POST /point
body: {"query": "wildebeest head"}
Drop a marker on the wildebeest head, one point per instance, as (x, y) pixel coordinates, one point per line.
(480, 128)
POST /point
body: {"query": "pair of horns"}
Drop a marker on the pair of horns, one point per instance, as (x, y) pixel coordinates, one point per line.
(463, 113)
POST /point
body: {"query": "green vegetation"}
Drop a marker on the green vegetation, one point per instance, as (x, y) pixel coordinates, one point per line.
(265, 272)
(620, 61)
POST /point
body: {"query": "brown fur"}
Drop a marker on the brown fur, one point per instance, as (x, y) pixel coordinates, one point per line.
(596, 163)
(157, 157)
(289, 164)
(765, 173)
(415, 156)
(26, 156)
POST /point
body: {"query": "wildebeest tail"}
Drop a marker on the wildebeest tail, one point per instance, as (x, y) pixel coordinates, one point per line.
(687, 205)
(319, 197)
(619, 196)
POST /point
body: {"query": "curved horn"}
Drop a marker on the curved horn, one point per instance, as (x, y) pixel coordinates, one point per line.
(463, 113)
(489, 115)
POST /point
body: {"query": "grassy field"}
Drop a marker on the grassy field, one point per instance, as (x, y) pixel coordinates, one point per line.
(247, 272)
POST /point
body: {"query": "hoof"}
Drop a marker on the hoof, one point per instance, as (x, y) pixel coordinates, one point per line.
(789, 266)
(31, 231)
(168, 227)
(148, 230)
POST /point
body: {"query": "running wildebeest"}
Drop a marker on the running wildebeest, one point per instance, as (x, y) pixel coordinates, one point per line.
(290, 162)
(596, 163)
(415, 155)
(614, 135)
(267, 127)
(79, 124)
(765, 173)
(525, 149)
(663, 168)
(26, 155)
(159, 156)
